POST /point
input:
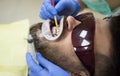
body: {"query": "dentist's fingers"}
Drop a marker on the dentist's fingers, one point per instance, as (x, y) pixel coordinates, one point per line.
(48, 11)
(45, 14)
(32, 64)
(42, 14)
(60, 6)
(51, 10)
(30, 73)
(44, 62)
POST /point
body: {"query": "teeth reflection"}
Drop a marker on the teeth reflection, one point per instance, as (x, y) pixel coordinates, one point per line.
(55, 31)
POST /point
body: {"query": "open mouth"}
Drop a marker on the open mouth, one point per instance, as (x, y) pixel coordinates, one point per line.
(50, 31)
(53, 29)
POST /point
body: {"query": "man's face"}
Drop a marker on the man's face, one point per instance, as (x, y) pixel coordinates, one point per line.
(61, 51)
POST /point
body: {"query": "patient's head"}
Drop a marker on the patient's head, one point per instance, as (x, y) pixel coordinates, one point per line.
(62, 52)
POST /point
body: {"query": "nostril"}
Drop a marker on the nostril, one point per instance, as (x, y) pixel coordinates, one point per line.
(77, 22)
(72, 22)
(70, 19)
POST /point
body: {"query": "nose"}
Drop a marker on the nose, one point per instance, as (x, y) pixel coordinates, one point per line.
(72, 22)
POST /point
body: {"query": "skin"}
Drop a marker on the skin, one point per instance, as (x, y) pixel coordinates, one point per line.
(114, 4)
(61, 51)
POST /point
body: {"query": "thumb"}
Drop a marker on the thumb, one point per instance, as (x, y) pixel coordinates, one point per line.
(44, 62)
(56, 1)
(60, 5)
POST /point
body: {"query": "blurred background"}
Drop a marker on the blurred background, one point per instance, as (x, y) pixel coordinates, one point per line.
(15, 10)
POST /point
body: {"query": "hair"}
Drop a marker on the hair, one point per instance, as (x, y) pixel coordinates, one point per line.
(115, 32)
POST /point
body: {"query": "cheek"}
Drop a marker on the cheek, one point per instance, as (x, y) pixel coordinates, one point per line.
(66, 47)
(66, 42)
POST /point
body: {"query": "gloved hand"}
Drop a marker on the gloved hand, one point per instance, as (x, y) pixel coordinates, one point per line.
(62, 8)
(44, 68)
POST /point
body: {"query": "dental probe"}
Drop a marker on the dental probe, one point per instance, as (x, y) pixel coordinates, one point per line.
(55, 18)
(31, 48)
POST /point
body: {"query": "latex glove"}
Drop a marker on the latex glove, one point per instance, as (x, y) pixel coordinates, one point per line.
(44, 68)
(62, 8)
